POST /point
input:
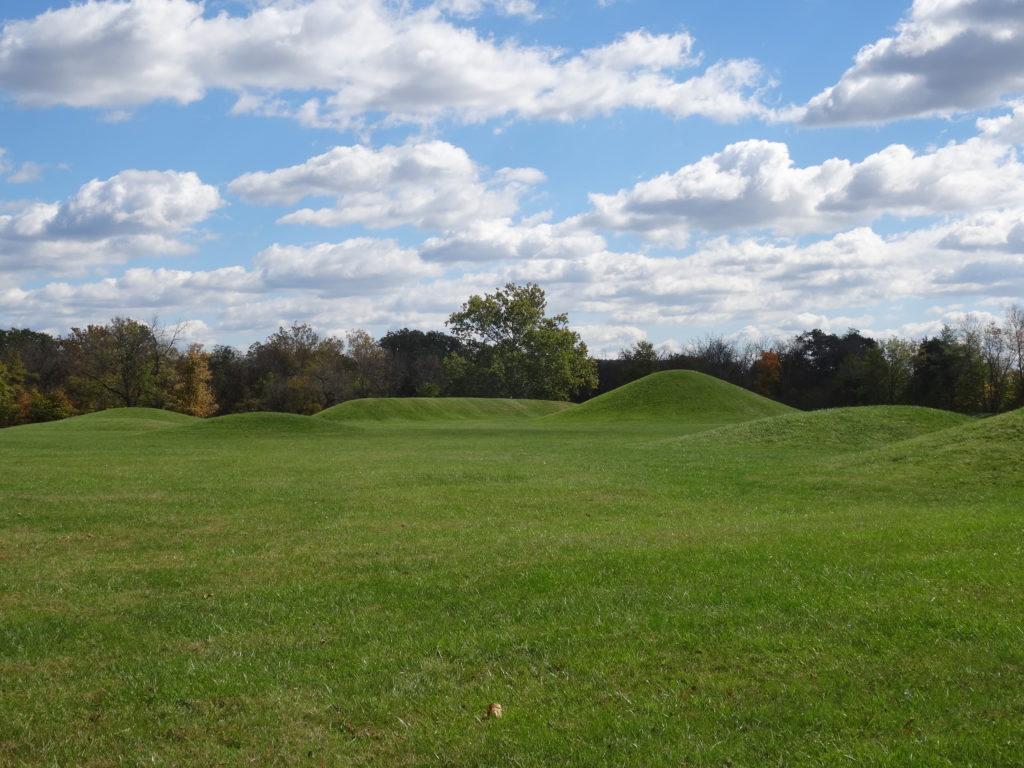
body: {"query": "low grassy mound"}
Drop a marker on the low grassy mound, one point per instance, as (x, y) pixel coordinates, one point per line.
(981, 448)
(676, 395)
(853, 428)
(262, 423)
(384, 409)
(120, 420)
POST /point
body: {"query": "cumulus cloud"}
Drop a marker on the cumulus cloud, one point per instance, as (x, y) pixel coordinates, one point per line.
(774, 285)
(134, 213)
(722, 281)
(608, 341)
(755, 185)
(362, 270)
(1008, 128)
(501, 240)
(469, 8)
(432, 185)
(947, 56)
(1001, 231)
(141, 292)
(352, 267)
(333, 62)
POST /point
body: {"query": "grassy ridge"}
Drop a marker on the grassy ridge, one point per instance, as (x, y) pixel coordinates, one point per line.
(839, 428)
(341, 595)
(439, 409)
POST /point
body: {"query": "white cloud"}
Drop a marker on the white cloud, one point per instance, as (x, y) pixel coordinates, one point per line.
(362, 270)
(134, 213)
(947, 56)
(501, 240)
(432, 185)
(104, 54)
(470, 8)
(767, 285)
(1007, 128)
(138, 292)
(607, 341)
(349, 268)
(755, 185)
(28, 171)
(770, 284)
(333, 62)
(1001, 230)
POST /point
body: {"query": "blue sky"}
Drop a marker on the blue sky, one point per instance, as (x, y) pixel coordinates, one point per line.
(663, 170)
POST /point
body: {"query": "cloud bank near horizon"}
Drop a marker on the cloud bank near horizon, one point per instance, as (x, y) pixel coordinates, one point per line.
(399, 225)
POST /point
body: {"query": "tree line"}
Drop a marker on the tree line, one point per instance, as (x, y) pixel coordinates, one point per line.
(974, 367)
(499, 345)
(496, 345)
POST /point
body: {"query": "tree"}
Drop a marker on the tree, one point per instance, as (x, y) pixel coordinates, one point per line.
(371, 374)
(191, 392)
(513, 350)
(121, 363)
(1014, 328)
(10, 393)
(40, 354)
(299, 371)
(48, 406)
(718, 357)
(232, 380)
(970, 395)
(948, 374)
(642, 359)
(996, 352)
(898, 355)
(768, 373)
(417, 360)
(811, 365)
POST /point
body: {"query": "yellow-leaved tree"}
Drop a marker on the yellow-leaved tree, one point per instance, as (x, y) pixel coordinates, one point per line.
(190, 391)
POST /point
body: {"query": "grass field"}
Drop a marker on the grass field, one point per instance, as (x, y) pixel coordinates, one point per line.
(675, 574)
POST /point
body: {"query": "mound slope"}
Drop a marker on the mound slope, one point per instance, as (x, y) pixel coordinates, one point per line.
(261, 422)
(677, 395)
(981, 449)
(852, 428)
(385, 409)
(121, 420)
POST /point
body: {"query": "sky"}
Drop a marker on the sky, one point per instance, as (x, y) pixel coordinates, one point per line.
(664, 170)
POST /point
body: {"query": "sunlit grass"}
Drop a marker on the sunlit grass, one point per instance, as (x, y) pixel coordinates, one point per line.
(840, 588)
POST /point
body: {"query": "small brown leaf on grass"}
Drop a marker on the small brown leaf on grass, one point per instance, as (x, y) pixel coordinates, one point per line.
(494, 710)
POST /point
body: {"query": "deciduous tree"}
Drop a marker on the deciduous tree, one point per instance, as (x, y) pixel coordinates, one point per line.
(513, 350)
(641, 359)
(121, 363)
(191, 392)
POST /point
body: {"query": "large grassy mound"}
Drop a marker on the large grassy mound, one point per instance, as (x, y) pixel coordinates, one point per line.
(853, 428)
(675, 395)
(119, 420)
(439, 409)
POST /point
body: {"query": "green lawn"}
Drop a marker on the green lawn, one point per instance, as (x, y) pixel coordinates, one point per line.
(723, 582)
